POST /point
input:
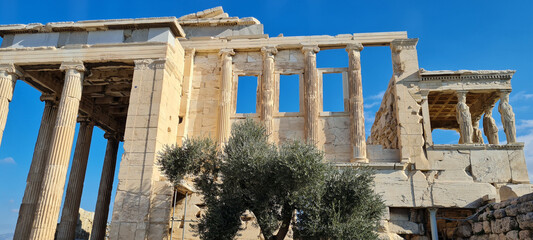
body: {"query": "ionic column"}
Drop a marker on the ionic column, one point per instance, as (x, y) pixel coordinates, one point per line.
(224, 123)
(464, 118)
(106, 185)
(267, 88)
(355, 92)
(185, 103)
(69, 218)
(8, 76)
(489, 127)
(507, 114)
(311, 93)
(45, 223)
(38, 165)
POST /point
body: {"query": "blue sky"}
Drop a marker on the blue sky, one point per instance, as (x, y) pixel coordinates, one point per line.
(453, 35)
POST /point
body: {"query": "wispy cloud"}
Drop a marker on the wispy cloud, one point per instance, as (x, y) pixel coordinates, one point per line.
(520, 96)
(371, 105)
(7, 160)
(15, 210)
(377, 96)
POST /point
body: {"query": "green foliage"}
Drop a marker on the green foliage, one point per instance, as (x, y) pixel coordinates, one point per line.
(274, 183)
(347, 208)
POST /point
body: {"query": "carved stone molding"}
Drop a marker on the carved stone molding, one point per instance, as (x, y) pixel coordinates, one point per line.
(11, 69)
(142, 64)
(159, 63)
(403, 44)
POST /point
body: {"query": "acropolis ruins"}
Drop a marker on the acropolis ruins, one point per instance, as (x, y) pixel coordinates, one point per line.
(153, 82)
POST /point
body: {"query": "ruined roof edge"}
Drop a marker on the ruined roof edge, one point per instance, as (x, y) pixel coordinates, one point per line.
(95, 25)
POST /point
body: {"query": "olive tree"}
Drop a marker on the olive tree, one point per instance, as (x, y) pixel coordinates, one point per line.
(278, 184)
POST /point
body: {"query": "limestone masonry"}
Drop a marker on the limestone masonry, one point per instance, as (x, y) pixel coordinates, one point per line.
(154, 81)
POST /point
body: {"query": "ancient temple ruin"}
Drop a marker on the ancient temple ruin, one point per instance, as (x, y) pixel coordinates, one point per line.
(154, 81)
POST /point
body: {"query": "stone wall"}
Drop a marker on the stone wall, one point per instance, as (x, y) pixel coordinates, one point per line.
(510, 219)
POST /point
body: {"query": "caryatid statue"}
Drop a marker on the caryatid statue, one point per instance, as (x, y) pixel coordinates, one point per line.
(478, 136)
(464, 118)
(508, 120)
(489, 127)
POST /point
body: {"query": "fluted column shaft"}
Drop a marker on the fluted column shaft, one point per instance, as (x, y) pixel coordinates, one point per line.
(45, 223)
(8, 77)
(355, 92)
(38, 165)
(69, 218)
(311, 93)
(267, 88)
(224, 124)
(106, 185)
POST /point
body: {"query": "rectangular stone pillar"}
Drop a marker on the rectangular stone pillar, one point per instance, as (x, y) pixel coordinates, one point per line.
(106, 186)
(311, 94)
(183, 128)
(408, 102)
(69, 216)
(45, 223)
(142, 203)
(356, 108)
(8, 76)
(224, 109)
(267, 88)
(38, 165)
(426, 118)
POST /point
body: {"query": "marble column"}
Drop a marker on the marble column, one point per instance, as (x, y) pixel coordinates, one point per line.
(489, 127)
(45, 223)
(106, 185)
(69, 218)
(355, 93)
(8, 76)
(38, 164)
(224, 123)
(464, 118)
(267, 88)
(508, 119)
(311, 93)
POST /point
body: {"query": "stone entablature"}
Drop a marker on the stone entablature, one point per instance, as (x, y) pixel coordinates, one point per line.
(150, 83)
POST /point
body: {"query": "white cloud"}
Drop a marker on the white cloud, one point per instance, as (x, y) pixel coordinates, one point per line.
(524, 125)
(377, 96)
(7, 160)
(15, 210)
(519, 96)
(371, 105)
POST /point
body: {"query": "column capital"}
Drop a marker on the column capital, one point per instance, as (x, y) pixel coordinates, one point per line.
(11, 68)
(72, 65)
(461, 95)
(310, 49)
(505, 92)
(269, 51)
(190, 52)
(424, 94)
(398, 45)
(226, 52)
(112, 135)
(85, 119)
(49, 97)
(355, 46)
